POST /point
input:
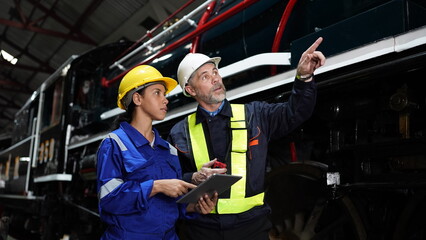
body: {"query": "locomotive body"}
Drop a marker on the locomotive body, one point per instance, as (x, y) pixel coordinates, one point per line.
(345, 174)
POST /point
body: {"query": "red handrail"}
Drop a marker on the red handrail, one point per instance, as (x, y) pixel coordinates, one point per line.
(149, 32)
(203, 20)
(232, 11)
(293, 153)
(280, 30)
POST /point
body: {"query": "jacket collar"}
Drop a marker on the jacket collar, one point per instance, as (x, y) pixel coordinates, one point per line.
(138, 139)
(202, 115)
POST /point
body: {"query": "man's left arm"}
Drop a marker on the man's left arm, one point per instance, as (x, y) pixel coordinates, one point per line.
(285, 117)
(278, 119)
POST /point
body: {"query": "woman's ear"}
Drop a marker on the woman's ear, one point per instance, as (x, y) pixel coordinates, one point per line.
(137, 99)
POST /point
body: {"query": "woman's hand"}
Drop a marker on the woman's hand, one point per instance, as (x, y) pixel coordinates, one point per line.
(205, 205)
(171, 187)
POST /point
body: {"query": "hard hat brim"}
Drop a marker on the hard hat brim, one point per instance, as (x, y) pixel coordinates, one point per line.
(169, 84)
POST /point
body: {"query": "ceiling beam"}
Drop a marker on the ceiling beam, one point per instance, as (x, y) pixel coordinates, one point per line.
(25, 67)
(2, 115)
(75, 33)
(44, 67)
(14, 86)
(43, 31)
(9, 104)
(83, 17)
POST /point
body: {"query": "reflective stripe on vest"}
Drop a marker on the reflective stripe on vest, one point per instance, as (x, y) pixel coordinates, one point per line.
(237, 202)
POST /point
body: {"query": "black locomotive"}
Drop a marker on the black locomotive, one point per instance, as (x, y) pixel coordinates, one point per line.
(355, 170)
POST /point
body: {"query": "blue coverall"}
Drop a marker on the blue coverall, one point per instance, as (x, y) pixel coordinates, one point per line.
(127, 167)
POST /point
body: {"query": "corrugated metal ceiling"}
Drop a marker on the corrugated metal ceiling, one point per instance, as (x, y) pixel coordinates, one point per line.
(44, 34)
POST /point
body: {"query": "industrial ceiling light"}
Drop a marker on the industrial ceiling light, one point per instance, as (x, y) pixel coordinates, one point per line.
(8, 57)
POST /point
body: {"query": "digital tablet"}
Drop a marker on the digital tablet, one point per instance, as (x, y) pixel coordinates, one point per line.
(218, 182)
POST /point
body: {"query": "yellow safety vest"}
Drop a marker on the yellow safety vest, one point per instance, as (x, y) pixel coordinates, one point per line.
(237, 203)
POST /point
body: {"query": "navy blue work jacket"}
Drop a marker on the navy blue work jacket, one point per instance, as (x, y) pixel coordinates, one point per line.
(265, 122)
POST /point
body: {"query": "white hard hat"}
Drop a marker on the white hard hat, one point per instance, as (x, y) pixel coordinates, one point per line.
(190, 63)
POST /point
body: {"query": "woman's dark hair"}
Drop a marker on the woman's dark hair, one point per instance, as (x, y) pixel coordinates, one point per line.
(126, 116)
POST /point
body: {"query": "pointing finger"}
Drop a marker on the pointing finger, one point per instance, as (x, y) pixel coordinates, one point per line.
(189, 185)
(314, 46)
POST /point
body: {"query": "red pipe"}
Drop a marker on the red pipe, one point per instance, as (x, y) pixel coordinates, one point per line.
(280, 30)
(149, 33)
(203, 20)
(293, 152)
(232, 11)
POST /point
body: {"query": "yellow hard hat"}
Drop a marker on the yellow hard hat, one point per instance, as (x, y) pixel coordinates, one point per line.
(136, 79)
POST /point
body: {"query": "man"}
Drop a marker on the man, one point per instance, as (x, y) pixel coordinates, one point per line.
(236, 135)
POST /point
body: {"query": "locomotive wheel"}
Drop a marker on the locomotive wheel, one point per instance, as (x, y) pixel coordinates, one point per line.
(302, 207)
(411, 223)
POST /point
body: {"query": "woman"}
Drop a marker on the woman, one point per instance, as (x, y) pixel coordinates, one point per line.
(139, 172)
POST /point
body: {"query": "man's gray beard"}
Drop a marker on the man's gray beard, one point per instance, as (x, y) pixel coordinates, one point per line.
(212, 99)
(218, 99)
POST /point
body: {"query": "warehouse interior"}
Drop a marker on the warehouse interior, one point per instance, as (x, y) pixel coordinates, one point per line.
(39, 36)
(355, 169)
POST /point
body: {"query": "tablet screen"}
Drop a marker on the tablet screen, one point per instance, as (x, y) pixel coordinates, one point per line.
(217, 182)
